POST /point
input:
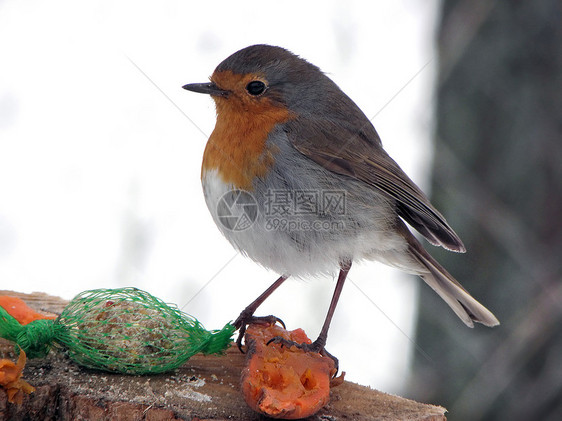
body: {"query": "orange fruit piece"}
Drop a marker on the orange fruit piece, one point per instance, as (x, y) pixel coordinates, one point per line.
(11, 381)
(20, 311)
(284, 382)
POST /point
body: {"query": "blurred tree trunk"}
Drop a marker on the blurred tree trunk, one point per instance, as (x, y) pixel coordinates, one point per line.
(497, 178)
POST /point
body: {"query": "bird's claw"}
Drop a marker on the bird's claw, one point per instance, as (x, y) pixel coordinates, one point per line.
(316, 346)
(245, 319)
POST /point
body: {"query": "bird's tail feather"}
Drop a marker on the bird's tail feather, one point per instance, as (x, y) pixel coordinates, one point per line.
(461, 302)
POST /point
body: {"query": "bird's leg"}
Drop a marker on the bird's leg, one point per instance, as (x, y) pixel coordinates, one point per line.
(320, 342)
(247, 315)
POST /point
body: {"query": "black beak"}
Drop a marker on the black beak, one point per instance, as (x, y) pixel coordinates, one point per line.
(206, 88)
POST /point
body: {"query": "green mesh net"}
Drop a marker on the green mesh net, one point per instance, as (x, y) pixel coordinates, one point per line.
(122, 330)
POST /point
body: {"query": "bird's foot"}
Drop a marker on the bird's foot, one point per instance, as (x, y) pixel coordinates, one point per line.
(245, 318)
(316, 346)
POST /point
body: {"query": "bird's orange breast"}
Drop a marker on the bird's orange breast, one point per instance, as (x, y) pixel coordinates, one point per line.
(237, 147)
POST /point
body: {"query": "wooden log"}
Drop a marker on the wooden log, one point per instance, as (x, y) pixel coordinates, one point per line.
(205, 388)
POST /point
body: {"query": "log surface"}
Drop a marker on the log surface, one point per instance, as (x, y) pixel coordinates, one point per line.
(205, 388)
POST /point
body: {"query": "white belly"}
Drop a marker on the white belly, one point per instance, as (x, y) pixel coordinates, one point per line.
(297, 245)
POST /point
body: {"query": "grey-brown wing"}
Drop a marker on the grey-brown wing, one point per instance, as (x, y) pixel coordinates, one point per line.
(358, 153)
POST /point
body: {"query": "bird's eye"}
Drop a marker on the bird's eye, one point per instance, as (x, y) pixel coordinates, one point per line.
(255, 87)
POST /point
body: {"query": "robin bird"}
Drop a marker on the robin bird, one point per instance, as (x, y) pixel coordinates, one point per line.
(308, 170)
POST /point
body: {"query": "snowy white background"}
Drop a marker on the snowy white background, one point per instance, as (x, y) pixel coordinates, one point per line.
(99, 171)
